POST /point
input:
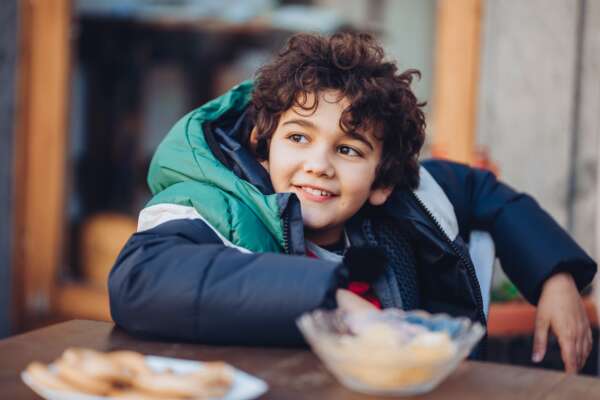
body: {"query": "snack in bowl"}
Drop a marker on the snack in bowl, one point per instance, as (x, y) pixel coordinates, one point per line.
(125, 374)
(389, 352)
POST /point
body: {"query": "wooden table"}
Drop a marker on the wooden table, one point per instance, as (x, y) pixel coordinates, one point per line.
(290, 373)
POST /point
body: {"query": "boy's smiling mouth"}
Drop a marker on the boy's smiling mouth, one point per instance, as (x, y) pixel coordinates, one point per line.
(313, 193)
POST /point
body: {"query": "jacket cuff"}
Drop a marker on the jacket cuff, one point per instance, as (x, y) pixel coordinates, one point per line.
(340, 281)
(581, 271)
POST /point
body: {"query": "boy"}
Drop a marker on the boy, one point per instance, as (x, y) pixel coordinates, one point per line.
(319, 157)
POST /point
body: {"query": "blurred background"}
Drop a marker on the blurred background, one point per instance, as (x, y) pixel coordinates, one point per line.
(90, 87)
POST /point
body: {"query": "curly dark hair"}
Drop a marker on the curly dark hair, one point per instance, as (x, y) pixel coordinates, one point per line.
(380, 97)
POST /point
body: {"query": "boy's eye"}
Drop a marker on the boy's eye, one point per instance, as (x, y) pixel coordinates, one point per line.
(349, 151)
(298, 138)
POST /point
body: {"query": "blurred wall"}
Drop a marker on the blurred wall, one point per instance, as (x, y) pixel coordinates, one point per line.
(540, 101)
(8, 52)
(406, 28)
(410, 38)
(585, 189)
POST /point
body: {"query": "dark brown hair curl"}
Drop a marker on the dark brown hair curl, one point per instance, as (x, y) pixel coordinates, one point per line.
(353, 64)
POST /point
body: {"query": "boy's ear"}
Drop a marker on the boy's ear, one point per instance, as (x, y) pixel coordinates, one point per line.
(254, 144)
(380, 195)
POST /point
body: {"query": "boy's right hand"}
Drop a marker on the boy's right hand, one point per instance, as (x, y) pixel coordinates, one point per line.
(561, 309)
(351, 302)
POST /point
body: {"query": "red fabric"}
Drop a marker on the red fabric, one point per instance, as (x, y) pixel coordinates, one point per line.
(362, 289)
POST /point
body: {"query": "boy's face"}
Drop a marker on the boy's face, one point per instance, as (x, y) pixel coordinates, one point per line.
(331, 172)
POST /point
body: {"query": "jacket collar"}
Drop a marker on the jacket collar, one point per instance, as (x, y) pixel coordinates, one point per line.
(227, 139)
(403, 204)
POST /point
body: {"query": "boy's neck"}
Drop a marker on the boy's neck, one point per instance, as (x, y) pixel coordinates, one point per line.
(324, 238)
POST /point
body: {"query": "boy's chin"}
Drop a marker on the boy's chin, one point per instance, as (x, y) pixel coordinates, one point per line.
(319, 227)
(315, 223)
(312, 226)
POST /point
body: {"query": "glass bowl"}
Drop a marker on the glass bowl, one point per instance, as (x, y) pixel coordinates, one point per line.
(389, 352)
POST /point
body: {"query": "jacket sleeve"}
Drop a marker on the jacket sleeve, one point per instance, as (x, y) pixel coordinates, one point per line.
(178, 280)
(530, 244)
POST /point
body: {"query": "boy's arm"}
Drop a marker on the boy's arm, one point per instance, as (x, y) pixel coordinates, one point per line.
(547, 266)
(530, 244)
(179, 281)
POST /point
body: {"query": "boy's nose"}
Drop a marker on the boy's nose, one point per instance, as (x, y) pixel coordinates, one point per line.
(320, 166)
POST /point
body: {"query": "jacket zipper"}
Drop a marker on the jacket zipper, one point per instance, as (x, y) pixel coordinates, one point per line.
(465, 260)
(286, 232)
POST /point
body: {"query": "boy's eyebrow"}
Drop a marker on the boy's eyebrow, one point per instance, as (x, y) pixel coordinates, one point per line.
(308, 124)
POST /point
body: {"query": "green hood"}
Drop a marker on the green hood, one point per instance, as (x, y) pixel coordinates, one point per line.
(184, 172)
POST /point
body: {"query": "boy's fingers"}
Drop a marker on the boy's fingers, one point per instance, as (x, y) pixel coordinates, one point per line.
(352, 302)
(540, 339)
(586, 347)
(580, 352)
(568, 352)
(583, 354)
(582, 347)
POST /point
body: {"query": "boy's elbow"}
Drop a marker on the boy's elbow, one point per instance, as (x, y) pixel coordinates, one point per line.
(122, 309)
(129, 300)
(143, 301)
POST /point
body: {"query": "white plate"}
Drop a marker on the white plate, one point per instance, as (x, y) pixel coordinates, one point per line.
(244, 387)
